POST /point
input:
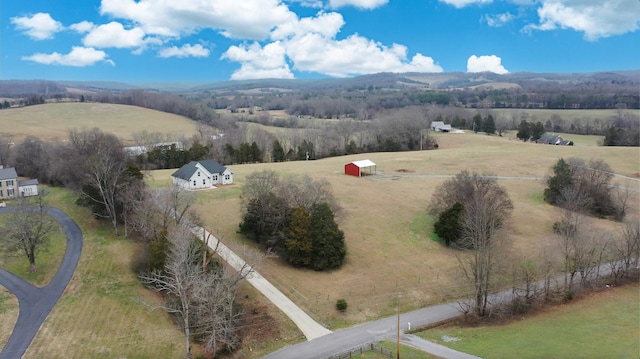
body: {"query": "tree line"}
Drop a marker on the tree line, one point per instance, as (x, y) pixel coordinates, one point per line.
(471, 214)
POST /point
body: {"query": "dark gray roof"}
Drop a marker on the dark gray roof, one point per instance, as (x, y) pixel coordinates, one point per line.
(8, 173)
(29, 182)
(185, 172)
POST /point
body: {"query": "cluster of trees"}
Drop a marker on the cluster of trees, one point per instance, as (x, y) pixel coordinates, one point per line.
(621, 136)
(529, 131)
(471, 210)
(293, 217)
(586, 187)
(199, 291)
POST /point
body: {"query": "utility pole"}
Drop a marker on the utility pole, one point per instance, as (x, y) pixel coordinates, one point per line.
(398, 311)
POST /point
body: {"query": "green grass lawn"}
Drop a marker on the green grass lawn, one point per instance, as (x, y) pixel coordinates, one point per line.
(47, 260)
(604, 325)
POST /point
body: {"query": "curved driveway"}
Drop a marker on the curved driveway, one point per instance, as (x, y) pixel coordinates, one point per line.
(36, 303)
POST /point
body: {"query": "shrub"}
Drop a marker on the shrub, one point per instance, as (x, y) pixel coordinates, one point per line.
(341, 305)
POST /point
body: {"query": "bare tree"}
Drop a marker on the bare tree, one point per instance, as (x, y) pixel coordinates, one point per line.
(6, 142)
(144, 216)
(305, 192)
(625, 249)
(484, 216)
(175, 202)
(200, 293)
(103, 174)
(182, 282)
(28, 228)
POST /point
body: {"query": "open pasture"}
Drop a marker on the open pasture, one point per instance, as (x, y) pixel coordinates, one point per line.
(603, 325)
(52, 121)
(386, 226)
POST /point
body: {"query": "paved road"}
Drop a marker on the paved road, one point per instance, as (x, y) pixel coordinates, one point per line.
(382, 329)
(36, 303)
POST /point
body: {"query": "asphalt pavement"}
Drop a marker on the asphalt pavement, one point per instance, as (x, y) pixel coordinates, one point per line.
(36, 303)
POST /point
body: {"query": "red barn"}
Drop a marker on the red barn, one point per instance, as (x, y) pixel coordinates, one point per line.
(360, 168)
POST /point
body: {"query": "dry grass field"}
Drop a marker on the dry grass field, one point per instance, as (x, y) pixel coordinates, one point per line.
(52, 121)
(386, 228)
(106, 313)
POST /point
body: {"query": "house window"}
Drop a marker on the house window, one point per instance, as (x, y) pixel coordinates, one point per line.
(10, 192)
(204, 182)
(198, 173)
(1, 193)
(227, 177)
(0, 183)
(194, 182)
(9, 183)
(215, 178)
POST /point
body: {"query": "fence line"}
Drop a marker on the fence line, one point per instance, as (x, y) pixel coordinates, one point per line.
(362, 349)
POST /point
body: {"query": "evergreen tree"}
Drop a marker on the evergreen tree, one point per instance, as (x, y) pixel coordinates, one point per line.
(277, 153)
(524, 131)
(477, 123)
(561, 180)
(536, 131)
(489, 125)
(298, 245)
(448, 225)
(329, 249)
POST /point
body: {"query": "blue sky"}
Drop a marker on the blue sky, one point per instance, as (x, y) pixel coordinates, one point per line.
(216, 40)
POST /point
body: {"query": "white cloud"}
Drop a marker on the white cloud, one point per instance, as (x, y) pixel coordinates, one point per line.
(498, 20)
(490, 63)
(354, 55)
(259, 62)
(40, 26)
(362, 4)
(82, 27)
(595, 18)
(462, 3)
(311, 45)
(309, 3)
(325, 24)
(115, 35)
(78, 57)
(247, 19)
(186, 50)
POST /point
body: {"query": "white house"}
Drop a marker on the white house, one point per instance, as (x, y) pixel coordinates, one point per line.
(202, 174)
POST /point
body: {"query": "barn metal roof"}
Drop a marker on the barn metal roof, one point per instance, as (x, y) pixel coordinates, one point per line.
(364, 163)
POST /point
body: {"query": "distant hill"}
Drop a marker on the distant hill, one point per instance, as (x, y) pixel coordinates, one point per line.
(625, 80)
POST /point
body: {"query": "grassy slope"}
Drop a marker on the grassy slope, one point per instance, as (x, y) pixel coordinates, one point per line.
(388, 249)
(102, 313)
(604, 325)
(53, 121)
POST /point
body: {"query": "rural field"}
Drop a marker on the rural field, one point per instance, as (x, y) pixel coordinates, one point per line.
(388, 234)
(106, 313)
(387, 230)
(602, 325)
(52, 121)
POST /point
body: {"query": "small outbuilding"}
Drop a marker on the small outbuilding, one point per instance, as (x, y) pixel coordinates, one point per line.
(439, 126)
(360, 168)
(28, 187)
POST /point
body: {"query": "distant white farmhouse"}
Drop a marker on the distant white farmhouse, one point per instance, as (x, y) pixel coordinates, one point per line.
(440, 126)
(202, 174)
